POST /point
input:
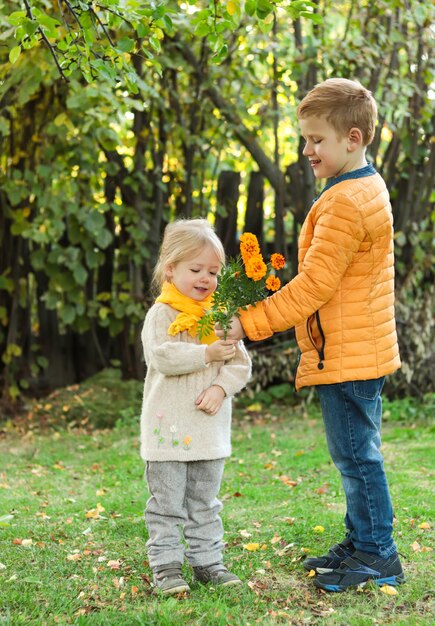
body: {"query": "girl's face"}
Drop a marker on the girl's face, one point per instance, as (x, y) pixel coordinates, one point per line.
(329, 154)
(196, 277)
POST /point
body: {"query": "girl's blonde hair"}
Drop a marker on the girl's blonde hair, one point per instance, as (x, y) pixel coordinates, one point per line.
(182, 240)
(345, 104)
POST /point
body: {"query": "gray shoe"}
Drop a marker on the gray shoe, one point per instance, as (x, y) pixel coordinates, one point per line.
(169, 579)
(216, 574)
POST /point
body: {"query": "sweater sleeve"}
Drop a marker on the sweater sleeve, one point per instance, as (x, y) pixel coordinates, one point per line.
(234, 375)
(167, 354)
(338, 233)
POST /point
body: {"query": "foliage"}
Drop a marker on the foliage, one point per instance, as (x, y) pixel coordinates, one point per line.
(243, 281)
(159, 100)
(73, 535)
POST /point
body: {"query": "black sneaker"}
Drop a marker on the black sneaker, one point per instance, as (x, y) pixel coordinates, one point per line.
(216, 574)
(358, 569)
(332, 560)
(169, 580)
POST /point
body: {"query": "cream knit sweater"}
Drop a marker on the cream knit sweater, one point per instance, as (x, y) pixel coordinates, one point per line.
(172, 428)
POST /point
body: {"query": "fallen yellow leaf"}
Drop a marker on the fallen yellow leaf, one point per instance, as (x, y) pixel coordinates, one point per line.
(26, 543)
(416, 546)
(95, 513)
(390, 591)
(318, 529)
(424, 526)
(251, 547)
(275, 539)
(311, 573)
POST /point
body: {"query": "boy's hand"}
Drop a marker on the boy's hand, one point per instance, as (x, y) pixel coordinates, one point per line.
(220, 351)
(235, 332)
(210, 400)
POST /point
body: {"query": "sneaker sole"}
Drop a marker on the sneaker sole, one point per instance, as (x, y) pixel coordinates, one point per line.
(230, 582)
(393, 581)
(174, 590)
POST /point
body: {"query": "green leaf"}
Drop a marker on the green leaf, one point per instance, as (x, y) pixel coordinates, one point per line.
(125, 44)
(80, 274)
(68, 314)
(104, 238)
(250, 7)
(14, 54)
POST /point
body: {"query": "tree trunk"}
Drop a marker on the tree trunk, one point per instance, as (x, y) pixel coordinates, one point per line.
(226, 215)
(254, 216)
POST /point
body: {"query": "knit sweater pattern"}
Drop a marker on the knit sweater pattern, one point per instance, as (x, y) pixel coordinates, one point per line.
(172, 428)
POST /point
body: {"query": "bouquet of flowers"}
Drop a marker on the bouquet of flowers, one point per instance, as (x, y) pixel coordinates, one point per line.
(244, 280)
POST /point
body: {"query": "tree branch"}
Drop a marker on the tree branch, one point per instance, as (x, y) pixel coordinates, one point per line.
(47, 43)
(243, 134)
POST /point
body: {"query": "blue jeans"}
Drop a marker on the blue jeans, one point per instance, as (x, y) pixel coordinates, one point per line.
(352, 414)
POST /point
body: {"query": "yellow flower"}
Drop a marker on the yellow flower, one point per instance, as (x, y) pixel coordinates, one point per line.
(256, 268)
(249, 246)
(187, 440)
(273, 283)
(277, 261)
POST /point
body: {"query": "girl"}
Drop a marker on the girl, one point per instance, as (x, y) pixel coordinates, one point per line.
(186, 410)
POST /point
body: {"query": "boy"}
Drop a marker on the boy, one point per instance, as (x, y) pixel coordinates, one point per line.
(342, 306)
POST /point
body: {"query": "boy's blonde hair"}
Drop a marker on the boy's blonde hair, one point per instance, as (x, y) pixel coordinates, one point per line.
(345, 104)
(182, 240)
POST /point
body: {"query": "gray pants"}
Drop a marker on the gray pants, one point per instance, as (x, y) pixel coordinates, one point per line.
(184, 495)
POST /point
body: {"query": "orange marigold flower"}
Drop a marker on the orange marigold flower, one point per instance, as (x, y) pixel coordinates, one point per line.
(256, 268)
(249, 246)
(277, 261)
(273, 283)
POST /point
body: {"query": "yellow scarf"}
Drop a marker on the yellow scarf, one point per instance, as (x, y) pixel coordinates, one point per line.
(191, 312)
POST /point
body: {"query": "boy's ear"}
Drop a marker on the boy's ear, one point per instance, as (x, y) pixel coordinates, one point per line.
(354, 139)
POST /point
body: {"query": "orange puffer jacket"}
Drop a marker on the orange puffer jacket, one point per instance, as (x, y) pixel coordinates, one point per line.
(342, 300)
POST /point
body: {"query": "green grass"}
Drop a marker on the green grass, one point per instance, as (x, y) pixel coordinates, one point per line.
(94, 570)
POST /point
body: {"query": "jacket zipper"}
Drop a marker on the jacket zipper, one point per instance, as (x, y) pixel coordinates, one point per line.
(320, 351)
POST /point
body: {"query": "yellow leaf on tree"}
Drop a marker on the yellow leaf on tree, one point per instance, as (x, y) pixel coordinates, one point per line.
(251, 547)
(231, 7)
(389, 590)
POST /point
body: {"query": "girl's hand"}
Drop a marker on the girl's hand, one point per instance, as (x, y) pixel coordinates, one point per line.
(210, 400)
(220, 351)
